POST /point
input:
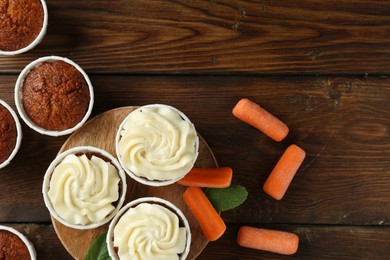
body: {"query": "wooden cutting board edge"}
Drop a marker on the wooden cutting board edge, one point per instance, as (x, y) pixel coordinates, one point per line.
(77, 242)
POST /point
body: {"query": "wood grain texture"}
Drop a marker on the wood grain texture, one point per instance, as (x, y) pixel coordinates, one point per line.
(342, 123)
(214, 37)
(100, 132)
(202, 57)
(316, 242)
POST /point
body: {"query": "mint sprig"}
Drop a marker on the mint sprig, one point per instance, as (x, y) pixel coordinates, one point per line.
(226, 198)
(222, 199)
(98, 250)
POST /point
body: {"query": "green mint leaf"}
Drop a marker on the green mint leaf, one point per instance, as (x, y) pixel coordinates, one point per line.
(226, 198)
(98, 249)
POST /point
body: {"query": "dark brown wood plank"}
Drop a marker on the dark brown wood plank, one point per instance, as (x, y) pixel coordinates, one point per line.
(316, 242)
(224, 36)
(342, 123)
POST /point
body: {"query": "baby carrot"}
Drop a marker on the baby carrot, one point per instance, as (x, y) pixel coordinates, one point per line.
(268, 240)
(208, 218)
(253, 114)
(208, 177)
(281, 176)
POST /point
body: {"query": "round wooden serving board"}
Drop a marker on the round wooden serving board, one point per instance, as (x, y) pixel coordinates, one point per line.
(100, 132)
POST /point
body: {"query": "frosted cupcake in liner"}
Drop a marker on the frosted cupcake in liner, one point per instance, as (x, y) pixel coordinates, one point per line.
(10, 134)
(23, 25)
(157, 145)
(84, 187)
(14, 245)
(54, 96)
(149, 228)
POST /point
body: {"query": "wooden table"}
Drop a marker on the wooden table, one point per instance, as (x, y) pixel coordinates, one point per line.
(320, 66)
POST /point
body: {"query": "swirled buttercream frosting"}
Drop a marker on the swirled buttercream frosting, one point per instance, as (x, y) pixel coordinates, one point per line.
(157, 143)
(149, 231)
(82, 190)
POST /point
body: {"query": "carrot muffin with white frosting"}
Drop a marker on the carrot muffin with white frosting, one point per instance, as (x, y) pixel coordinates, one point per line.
(157, 143)
(149, 228)
(84, 189)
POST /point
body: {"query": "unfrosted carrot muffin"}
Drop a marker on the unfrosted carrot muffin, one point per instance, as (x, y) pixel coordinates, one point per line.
(14, 245)
(21, 22)
(8, 134)
(55, 95)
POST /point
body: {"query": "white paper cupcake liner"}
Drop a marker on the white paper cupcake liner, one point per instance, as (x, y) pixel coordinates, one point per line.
(19, 96)
(27, 242)
(143, 180)
(83, 150)
(19, 134)
(159, 201)
(37, 40)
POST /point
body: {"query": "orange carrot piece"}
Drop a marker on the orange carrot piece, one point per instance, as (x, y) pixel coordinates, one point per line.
(208, 177)
(281, 176)
(208, 218)
(268, 240)
(253, 114)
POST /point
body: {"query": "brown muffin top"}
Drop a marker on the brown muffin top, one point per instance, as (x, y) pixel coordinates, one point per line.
(55, 95)
(8, 134)
(12, 247)
(20, 23)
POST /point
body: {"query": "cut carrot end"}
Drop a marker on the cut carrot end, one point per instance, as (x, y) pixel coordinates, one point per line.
(284, 171)
(210, 221)
(208, 177)
(268, 240)
(254, 115)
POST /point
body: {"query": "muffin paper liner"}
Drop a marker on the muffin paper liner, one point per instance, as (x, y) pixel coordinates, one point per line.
(27, 242)
(19, 134)
(83, 150)
(141, 179)
(19, 96)
(37, 40)
(155, 200)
